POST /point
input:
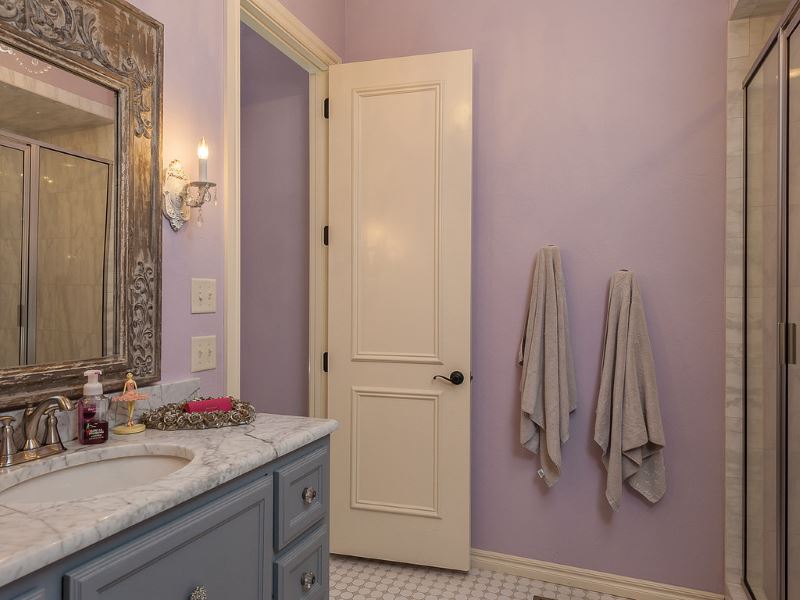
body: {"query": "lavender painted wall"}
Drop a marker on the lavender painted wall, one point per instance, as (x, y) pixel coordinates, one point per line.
(600, 127)
(274, 344)
(193, 80)
(326, 18)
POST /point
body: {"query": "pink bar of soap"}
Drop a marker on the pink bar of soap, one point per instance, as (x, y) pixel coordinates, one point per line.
(209, 405)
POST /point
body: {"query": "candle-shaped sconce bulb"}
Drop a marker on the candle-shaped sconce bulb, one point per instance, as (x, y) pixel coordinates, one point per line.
(202, 154)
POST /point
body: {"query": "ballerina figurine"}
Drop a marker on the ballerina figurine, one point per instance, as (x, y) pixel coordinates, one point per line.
(131, 395)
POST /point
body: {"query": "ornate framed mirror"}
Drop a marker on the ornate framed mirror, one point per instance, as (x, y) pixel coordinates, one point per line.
(80, 220)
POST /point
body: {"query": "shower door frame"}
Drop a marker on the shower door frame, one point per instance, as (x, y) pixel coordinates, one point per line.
(14, 142)
(779, 39)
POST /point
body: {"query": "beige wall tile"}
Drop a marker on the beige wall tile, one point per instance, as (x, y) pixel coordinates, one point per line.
(738, 38)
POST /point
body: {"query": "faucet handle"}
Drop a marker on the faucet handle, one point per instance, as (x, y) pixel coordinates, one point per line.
(51, 435)
(7, 447)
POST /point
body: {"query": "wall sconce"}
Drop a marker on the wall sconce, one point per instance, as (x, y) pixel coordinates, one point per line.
(180, 195)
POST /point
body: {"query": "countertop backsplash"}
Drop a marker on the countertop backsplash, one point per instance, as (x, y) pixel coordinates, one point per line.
(157, 395)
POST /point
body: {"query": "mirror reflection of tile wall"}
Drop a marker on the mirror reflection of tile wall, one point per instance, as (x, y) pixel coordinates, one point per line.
(73, 194)
(94, 141)
(58, 214)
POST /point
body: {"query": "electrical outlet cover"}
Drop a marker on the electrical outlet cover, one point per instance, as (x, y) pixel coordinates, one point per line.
(204, 296)
(204, 353)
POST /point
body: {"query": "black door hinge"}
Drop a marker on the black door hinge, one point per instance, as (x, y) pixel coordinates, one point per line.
(791, 344)
(325, 235)
(324, 362)
(326, 108)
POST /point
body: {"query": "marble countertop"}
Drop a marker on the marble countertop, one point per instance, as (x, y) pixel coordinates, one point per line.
(36, 535)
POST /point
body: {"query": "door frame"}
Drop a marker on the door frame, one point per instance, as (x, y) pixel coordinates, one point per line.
(273, 21)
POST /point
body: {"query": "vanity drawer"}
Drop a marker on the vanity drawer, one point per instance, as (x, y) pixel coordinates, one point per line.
(302, 496)
(225, 547)
(301, 573)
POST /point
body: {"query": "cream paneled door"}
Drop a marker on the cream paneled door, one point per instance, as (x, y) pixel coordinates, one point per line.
(399, 298)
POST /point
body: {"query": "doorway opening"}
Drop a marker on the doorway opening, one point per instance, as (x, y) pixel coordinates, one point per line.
(274, 231)
(277, 27)
(400, 240)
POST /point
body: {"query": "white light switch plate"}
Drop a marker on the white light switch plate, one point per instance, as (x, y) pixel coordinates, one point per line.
(204, 296)
(204, 353)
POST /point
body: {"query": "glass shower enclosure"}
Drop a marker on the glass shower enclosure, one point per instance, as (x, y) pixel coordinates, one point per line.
(58, 248)
(772, 310)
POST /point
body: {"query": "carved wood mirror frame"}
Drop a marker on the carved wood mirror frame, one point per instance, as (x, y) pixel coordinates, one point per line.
(116, 45)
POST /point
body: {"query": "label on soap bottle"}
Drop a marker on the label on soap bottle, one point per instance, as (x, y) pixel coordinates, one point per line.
(95, 432)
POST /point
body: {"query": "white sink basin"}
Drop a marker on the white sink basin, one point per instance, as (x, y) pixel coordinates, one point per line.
(88, 473)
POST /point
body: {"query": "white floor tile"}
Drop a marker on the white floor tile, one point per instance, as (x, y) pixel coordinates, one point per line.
(361, 579)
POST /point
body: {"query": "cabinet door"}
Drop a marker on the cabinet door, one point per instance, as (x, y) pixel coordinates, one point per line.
(224, 548)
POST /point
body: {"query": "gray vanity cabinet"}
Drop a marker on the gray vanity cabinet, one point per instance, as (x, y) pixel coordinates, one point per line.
(222, 549)
(262, 536)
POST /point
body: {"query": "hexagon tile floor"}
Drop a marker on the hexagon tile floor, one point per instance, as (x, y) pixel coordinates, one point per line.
(360, 579)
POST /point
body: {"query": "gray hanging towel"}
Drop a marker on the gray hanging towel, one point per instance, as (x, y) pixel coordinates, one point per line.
(628, 421)
(547, 385)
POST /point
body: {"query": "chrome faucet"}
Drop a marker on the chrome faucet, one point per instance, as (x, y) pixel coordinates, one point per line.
(33, 449)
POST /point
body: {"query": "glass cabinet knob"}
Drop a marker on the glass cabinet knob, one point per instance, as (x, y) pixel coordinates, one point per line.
(309, 495)
(308, 580)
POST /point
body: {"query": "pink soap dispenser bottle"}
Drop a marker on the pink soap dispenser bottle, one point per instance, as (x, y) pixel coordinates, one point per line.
(92, 408)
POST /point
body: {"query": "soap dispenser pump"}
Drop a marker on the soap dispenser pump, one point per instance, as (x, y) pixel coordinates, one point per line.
(92, 408)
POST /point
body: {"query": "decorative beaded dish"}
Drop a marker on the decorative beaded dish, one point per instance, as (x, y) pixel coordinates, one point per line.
(173, 416)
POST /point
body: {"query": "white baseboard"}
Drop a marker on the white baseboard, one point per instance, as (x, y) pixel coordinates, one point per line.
(604, 583)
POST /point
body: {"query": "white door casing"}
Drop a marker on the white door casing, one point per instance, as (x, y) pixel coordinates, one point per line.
(399, 308)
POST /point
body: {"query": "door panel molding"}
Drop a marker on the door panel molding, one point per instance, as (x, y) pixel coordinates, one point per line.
(419, 359)
(389, 316)
(358, 499)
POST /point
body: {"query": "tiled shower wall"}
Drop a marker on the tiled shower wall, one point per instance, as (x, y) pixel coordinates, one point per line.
(746, 37)
(72, 227)
(97, 141)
